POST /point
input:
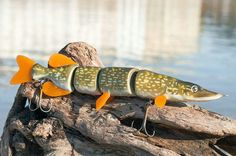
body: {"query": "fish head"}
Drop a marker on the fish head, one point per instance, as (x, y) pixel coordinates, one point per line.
(187, 91)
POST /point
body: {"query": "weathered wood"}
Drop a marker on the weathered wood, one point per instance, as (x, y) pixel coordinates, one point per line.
(73, 127)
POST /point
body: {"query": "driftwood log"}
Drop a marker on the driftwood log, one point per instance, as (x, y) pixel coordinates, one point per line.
(73, 127)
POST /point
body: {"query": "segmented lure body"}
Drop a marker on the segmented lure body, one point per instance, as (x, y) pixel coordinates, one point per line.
(66, 76)
(118, 81)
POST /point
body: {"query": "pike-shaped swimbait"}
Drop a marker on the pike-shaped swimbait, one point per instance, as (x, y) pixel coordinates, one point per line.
(64, 76)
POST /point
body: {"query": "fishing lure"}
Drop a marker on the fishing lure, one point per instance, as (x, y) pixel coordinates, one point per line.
(64, 76)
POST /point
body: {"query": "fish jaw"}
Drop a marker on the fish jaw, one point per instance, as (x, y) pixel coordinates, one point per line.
(200, 96)
(204, 95)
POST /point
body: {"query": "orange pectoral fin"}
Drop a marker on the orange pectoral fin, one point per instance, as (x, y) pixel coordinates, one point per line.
(51, 90)
(25, 67)
(59, 60)
(160, 101)
(101, 101)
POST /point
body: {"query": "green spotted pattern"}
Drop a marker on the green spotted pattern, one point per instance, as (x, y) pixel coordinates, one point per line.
(117, 81)
(39, 72)
(85, 80)
(149, 84)
(60, 76)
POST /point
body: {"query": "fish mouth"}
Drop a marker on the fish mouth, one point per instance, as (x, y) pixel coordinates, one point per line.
(205, 95)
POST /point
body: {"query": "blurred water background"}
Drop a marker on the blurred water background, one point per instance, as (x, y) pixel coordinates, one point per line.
(192, 40)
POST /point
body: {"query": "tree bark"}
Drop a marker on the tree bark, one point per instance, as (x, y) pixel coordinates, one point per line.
(73, 127)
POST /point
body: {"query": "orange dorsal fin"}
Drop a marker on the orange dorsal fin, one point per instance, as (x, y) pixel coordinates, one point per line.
(50, 89)
(24, 73)
(101, 101)
(160, 101)
(59, 60)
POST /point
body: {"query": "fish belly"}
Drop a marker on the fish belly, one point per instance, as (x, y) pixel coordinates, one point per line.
(118, 81)
(149, 84)
(86, 80)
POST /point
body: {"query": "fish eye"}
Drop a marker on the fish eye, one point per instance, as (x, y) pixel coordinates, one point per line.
(194, 88)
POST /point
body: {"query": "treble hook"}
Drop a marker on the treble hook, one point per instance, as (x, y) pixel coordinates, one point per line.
(38, 104)
(144, 123)
(30, 108)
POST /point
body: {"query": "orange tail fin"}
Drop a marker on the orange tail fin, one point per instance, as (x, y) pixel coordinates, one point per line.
(24, 74)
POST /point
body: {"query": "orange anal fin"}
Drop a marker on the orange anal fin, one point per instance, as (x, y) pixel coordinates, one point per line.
(101, 101)
(25, 67)
(59, 60)
(51, 90)
(160, 101)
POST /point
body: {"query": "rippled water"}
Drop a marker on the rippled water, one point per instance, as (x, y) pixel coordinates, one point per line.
(187, 39)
